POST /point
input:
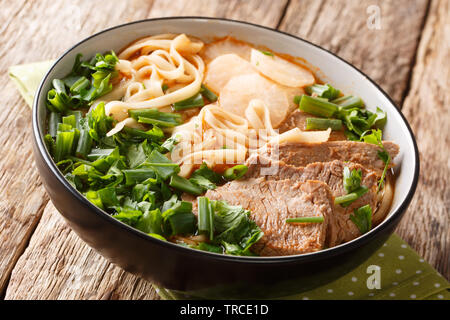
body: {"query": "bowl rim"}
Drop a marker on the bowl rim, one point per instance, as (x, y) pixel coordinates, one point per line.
(309, 257)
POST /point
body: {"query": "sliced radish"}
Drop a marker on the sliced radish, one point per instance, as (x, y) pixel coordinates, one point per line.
(281, 70)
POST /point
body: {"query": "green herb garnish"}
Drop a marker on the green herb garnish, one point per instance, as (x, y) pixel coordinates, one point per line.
(374, 136)
(362, 218)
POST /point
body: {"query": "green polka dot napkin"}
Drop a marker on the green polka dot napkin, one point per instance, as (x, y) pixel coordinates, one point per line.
(402, 273)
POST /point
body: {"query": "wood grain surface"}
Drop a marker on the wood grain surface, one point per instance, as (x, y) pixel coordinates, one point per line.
(41, 258)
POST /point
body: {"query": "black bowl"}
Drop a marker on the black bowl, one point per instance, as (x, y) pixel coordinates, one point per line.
(200, 273)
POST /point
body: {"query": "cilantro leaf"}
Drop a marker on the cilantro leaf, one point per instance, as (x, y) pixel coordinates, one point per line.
(362, 218)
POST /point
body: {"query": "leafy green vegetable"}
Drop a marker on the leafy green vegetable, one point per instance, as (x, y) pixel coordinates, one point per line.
(130, 217)
(235, 231)
(127, 174)
(151, 222)
(209, 247)
(185, 185)
(362, 218)
(206, 178)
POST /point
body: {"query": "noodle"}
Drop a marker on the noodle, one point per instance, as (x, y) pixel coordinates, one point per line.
(215, 135)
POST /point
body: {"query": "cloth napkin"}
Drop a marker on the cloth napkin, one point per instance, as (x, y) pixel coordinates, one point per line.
(403, 273)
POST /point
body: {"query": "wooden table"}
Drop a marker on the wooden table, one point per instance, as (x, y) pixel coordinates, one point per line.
(408, 55)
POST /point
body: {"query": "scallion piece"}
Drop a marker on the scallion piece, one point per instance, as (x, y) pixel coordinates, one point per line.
(81, 84)
(180, 223)
(185, 185)
(318, 106)
(205, 217)
(323, 91)
(133, 176)
(208, 94)
(70, 120)
(159, 123)
(63, 145)
(84, 145)
(155, 114)
(53, 121)
(349, 102)
(305, 220)
(192, 102)
(347, 199)
(235, 172)
(323, 124)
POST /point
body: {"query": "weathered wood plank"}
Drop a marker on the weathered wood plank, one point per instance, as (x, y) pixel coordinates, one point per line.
(425, 225)
(58, 265)
(33, 31)
(47, 28)
(341, 26)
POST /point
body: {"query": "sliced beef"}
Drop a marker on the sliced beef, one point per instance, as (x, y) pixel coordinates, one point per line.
(302, 154)
(272, 202)
(330, 173)
(297, 119)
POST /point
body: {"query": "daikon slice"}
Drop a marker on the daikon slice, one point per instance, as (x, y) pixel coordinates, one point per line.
(220, 70)
(240, 90)
(281, 70)
(224, 46)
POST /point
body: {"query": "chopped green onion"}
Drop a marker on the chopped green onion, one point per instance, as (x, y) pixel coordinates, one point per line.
(64, 144)
(323, 124)
(374, 136)
(84, 145)
(235, 172)
(305, 220)
(70, 120)
(180, 223)
(174, 118)
(208, 94)
(349, 102)
(192, 102)
(318, 106)
(53, 121)
(348, 199)
(157, 236)
(154, 134)
(205, 217)
(267, 53)
(81, 84)
(323, 91)
(185, 185)
(133, 176)
(159, 123)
